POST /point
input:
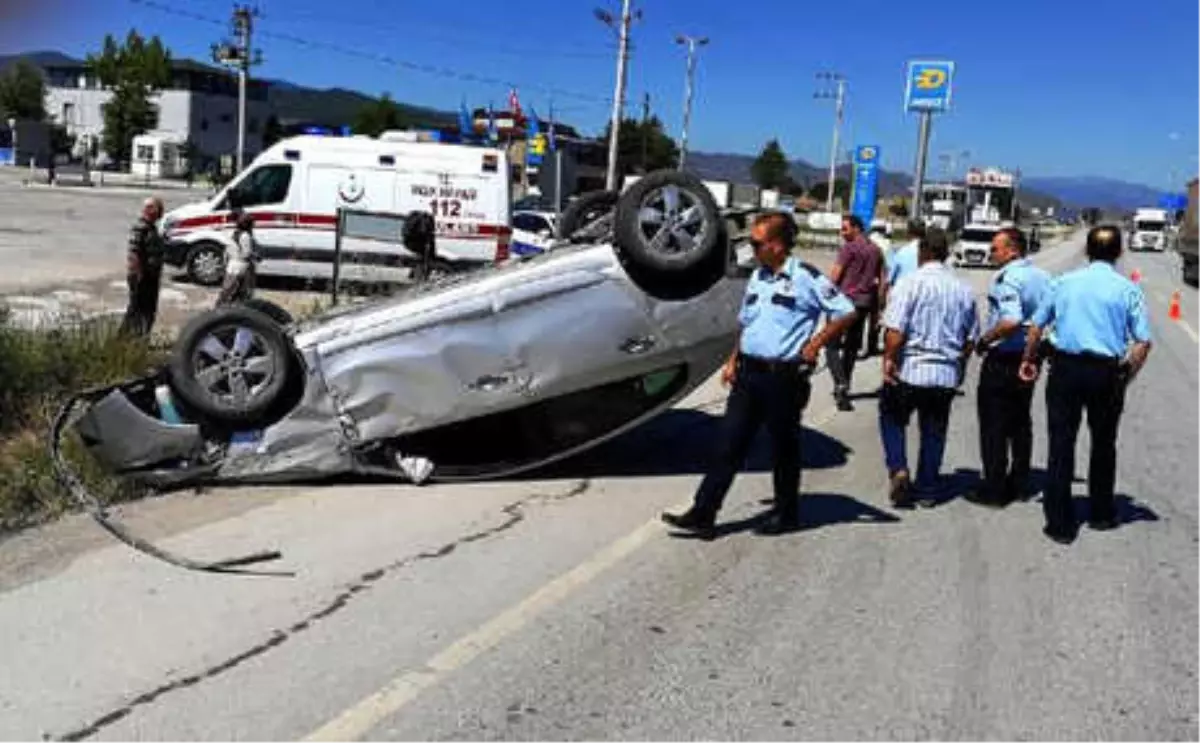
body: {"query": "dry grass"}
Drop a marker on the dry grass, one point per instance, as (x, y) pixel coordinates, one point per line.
(39, 370)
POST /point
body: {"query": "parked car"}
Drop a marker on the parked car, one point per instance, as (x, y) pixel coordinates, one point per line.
(481, 374)
(533, 232)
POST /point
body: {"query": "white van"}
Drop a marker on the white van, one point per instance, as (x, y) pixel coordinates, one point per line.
(295, 188)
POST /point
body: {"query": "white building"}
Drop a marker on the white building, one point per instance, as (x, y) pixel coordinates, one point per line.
(200, 105)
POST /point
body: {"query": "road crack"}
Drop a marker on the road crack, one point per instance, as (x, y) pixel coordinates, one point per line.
(514, 513)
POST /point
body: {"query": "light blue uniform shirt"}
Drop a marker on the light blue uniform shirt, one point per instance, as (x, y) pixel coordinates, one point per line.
(901, 262)
(780, 312)
(1094, 310)
(1015, 294)
(936, 313)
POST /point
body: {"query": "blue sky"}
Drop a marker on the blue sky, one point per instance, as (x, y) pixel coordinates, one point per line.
(1053, 87)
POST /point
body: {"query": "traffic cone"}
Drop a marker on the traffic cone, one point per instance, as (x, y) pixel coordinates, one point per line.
(1173, 311)
(1136, 276)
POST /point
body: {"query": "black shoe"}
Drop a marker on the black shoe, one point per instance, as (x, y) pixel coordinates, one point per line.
(693, 521)
(1062, 537)
(779, 523)
(843, 401)
(1105, 524)
(900, 492)
(979, 498)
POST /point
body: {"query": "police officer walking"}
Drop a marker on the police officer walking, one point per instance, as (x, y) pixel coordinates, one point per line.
(769, 370)
(1003, 398)
(1096, 312)
(143, 267)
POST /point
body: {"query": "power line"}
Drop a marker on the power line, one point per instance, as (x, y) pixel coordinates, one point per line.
(434, 70)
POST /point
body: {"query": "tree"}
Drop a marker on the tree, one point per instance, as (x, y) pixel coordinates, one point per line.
(135, 72)
(841, 190)
(377, 117)
(771, 169)
(661, 151)
(23, 92)
(272, 131)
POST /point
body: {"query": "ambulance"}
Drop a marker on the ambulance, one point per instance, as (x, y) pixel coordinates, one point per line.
(295, 189)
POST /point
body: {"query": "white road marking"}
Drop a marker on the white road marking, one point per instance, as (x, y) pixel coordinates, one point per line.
(360, 719)
(1180, 323)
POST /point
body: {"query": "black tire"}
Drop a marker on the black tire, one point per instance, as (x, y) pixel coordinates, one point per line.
(587, 209)
(682, 248)
(270, 309)
(273, 378)
(199, 260)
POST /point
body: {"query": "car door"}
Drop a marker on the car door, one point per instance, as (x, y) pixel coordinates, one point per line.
(267, 193)
(532, 234)
(571, 329)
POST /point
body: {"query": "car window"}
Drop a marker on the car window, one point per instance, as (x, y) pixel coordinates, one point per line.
(266, 185)
(977, 236)
(529, 223)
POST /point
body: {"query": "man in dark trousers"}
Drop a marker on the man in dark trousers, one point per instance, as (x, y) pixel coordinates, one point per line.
(1096, 312)
(1003, 400)
(858, 272)
(143, 267)
(769, 371)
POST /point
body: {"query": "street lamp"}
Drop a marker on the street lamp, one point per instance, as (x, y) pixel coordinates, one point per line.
(12, 128)
(839, 96)
(691, 42)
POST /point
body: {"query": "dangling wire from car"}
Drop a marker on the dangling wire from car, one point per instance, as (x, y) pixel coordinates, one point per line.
(74, 485)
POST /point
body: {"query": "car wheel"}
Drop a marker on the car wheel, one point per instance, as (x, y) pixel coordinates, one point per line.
(668, 223)
(270, 309)
(231, 365)
(206, 264)
(589, 217)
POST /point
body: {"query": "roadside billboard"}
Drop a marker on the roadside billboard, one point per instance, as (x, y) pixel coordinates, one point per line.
(928, 85)
(866, 182)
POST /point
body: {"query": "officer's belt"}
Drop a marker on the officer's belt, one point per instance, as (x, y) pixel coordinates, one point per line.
(1088, 357)
(754, 363)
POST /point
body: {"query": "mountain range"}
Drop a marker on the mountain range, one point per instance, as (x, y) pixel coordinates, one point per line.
(336, 106)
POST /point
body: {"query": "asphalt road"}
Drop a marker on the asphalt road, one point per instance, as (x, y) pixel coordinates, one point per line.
(558, 607)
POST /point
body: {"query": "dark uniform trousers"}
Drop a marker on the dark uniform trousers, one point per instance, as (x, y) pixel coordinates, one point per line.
(841, 353)
(770, 392)
(1005, 426)
(1079, 382)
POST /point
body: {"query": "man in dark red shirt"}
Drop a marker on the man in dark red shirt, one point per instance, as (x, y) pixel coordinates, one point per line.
(858, 272)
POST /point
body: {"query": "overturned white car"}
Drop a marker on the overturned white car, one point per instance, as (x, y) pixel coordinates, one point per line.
(477, 375)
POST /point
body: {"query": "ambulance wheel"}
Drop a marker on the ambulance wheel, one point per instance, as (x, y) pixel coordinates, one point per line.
(589, 217)
(668, 224)
(206, 264)
(231, 365)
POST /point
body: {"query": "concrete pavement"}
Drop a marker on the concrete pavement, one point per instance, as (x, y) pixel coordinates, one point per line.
(558, 607)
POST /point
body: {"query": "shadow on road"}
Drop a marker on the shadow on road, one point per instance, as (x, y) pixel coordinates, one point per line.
(682, 442)
(816, 510)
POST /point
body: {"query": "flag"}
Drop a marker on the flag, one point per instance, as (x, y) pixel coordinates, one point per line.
(515, 104)
(535, 141)
(465, 127)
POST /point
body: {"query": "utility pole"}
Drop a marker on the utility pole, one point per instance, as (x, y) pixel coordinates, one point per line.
(645, 133)
(692, 42)
(605, 17)
(237, 55)
(839, 97)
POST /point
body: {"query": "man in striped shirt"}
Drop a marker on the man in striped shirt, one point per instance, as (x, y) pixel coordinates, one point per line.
(932, 326)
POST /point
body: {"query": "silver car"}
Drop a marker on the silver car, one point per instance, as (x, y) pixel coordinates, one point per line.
(479, 375)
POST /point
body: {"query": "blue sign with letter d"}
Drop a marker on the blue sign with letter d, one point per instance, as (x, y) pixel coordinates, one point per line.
(866, 181)
(928, 86)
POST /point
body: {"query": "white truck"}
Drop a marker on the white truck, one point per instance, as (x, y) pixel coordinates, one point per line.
(1150, 230)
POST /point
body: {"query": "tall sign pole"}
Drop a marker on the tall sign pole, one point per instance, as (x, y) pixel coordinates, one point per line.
(839, 97)
(927, 91)
(691, 42)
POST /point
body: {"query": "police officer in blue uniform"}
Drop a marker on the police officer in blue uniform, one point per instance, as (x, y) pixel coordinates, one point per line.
(769, 370)
(1003, 399)
(1096, 312)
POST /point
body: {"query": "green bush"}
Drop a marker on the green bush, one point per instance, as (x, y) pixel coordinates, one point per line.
(39, 370)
